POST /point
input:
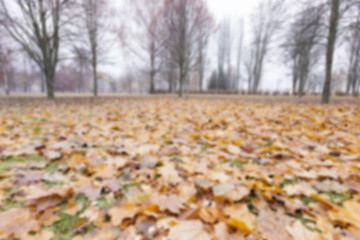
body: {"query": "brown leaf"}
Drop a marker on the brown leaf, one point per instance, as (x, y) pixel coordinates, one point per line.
(186, 230)
(299, 232)
(118, 214)
(171, 202)
(42, 235)
(41, 199)
(17, 223)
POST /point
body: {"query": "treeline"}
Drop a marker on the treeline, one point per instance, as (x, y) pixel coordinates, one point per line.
(178, 46)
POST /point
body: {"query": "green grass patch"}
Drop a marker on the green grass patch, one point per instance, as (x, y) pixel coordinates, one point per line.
(64, 227)
(127, 187)
(52, 167)
(337, 198)
(307, 200)
(234, 163)
(306, 222)
(143, 198)
(103, 203)
(48, 184)
(36, 158)
(177, 159)
(204, 147)
(82, 199)
(10, 204)
(8, 163)
(287, 182)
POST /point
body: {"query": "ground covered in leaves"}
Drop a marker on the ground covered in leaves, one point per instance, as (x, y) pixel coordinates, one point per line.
(179, 170)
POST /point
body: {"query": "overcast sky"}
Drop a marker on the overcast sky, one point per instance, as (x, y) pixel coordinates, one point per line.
(276, 74)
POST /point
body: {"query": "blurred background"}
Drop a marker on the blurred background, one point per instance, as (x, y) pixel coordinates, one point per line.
(267, 47)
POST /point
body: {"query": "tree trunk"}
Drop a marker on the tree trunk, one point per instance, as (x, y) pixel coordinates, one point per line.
(330, 49)
(95, 79)
(49, 79)
(350, 70)
(152, 84)
(182, 78)
(7, 91)
(295, 79)
(201, 66)
(152, 68)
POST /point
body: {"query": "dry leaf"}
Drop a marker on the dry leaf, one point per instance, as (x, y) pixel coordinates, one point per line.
(17, 223)
(118, 214)
(186, 230)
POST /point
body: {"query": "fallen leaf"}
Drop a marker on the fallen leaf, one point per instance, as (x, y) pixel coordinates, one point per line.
(17, 223)
(299, 232)
(185, 230)
(118, 214)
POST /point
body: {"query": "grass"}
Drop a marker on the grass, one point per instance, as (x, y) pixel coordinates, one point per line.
(287, 182)
(307, 200)
(8, 163)
(64, 228)
(52, 167)
(103, 203)
(337, 198)
(10, 204)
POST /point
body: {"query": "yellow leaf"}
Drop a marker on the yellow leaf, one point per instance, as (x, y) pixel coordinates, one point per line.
(350, 213)
(239, 225)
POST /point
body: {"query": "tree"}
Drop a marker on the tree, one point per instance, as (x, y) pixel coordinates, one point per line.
(37, 29)
(225, 42)
(331, 40)
(145, 35)
(81, 59)
(353, 43)
(239, 52)
(304, 44)
(205, 31)
(5, 54)
(93, 32)
(183, 20)
(266, 22)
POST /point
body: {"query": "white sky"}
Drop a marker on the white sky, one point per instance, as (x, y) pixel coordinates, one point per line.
(276, 75)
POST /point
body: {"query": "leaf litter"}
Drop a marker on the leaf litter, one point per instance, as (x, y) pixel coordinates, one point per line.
(179, 169)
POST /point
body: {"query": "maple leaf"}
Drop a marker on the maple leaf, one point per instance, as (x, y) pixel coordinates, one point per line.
(185, 230)
(299, 232)
(241, 218)
(42, 235)
(17, 223)
(350, 213)
(41, 199)
(168, 202)
(118, 214)
(169, 173)
(230, 191)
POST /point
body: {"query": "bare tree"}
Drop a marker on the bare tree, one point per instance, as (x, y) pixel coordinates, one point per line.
(205, 31)
(5, 54)
(239, 52)
(353, 43)
(145, 35)
(37, 30)
(225, 43)
(81, 59)
(266, 22)
(333, 24)
(304, 43)
(93, 33)
(183, 19)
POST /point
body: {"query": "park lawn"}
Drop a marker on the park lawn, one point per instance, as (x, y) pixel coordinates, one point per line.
(167, 168)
